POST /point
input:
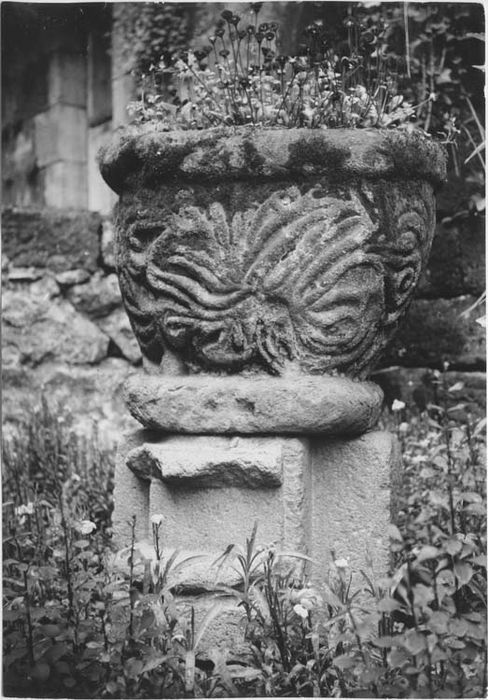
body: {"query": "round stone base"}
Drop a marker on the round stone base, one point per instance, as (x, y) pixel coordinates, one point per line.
(305, 405)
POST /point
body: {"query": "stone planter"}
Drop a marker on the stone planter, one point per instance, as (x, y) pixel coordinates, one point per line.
(271, 251)
(263, 271)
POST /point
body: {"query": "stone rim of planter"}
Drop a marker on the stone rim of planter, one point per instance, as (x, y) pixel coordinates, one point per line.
(256, 405)
(148, 155)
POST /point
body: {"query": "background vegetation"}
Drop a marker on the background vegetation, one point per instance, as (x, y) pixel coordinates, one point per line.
(85, 621)
(82, 620)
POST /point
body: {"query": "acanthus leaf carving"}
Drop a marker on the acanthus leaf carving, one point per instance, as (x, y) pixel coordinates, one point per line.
(317, 279)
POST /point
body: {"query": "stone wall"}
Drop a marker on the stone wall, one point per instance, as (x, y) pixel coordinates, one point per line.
(442, 326)
(66, 334)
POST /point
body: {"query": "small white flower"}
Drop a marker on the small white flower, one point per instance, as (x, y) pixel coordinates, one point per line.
(85, 527)
(157, 519)
(301, 611)
(25, 510)
(341, 563)
(145, 551)
(403, 428)
(397, 405)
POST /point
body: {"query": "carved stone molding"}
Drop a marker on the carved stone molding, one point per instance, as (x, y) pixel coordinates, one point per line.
(306, 267)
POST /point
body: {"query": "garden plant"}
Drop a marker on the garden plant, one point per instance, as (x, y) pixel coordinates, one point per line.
(84, 619)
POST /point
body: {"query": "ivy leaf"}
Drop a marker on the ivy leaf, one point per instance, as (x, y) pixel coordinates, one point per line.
(133, 668)
(153, 662)
(427, 552)
(438, 622)
(458, 627)
(453, 546)
(387, 642)
(422, 595)
(456, 387)
(479, 560)
(445, 583)
(398, 658)
(475, 509)
(344, 661)
(464, 572)
(415, 642)
(388, 605)
(454, 643)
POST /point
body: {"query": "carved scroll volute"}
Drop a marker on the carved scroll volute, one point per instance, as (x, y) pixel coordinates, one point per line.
(309, 277)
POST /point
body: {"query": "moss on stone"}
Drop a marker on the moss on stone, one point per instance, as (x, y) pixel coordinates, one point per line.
(317, 152)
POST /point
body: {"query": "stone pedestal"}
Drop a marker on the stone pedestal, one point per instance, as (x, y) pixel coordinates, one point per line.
(299, 456)
(264, 271)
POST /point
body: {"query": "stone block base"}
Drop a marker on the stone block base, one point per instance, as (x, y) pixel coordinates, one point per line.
(323, 497)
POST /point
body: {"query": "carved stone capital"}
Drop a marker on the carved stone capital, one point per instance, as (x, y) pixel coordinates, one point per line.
(271, 251)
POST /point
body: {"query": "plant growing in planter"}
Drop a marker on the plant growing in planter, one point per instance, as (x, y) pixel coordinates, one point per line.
(273, 221)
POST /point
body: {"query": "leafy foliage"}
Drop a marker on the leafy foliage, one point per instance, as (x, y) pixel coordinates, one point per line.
(241, 78)
(151, 32)
(440, 49)
(84, 621)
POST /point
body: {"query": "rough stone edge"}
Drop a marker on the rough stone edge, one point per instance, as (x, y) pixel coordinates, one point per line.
(344, 406)
(147, 155)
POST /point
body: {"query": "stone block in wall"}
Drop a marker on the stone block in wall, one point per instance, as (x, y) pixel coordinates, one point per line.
(40, 329)
(61, 134)
(437, 331)
(100, 197)
(117, 326)
(67, 78)
(21, 183)
(108, 244)
(31, 281)
(457, 260)
(65, 185)
(89, 394)
(69, 278)
(419, 386)
(57, 240)
(98, 297)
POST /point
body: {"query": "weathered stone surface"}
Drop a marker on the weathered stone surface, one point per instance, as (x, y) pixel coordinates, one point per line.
(148, 154)
(108, 244)
(117, 326)
(100, 197)
(98, 297)
(89, 394)
(38, 330)
(204, 516)
(69, 278)
(253, 275)
(419, 386)
(57, 239)
(457, 260)
(435, 331)
(60, 134)
(210, 461)
(43, 286)
(209, 404)
(350, 508)
(66, 181)
(24, 274)
(306, 512)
